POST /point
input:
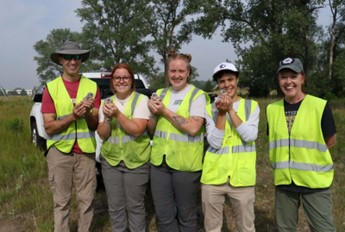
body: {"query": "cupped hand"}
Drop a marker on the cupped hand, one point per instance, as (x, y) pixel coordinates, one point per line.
(110, 110)
(156, 106)
(224, 103)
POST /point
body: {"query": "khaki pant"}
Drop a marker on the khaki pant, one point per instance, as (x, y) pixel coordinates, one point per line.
(242, 203)
(64, 170)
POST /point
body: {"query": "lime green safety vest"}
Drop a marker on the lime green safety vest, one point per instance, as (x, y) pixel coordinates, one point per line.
(77, 131)
(134, 151)
(182, 151)
(302, 157)
(235, 159)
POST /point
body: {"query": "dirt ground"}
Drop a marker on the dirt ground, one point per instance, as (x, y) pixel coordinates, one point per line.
(8, 226)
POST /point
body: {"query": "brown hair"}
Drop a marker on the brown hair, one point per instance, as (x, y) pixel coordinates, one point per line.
(129, 70)
(173, 55)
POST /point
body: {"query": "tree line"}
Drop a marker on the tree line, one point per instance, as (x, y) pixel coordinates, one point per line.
(261, 31)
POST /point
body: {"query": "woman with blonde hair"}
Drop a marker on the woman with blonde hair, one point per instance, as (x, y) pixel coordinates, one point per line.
(177, 149)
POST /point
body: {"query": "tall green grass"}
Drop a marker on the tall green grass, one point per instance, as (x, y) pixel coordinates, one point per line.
(24, 193)
(26, 201)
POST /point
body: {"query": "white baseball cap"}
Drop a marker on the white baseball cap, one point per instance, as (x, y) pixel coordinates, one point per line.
(224, 66)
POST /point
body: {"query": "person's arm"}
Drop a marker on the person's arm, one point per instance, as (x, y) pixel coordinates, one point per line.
(248, 131)
(52, 125)
(151, 125)
(214, 135)
(328, 127)
(91, 115)
(331, 141)
(190, 125)
(135, 126)
(104, 125)
(92, 105)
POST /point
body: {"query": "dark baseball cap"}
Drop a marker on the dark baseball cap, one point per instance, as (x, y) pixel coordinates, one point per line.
(294, 64)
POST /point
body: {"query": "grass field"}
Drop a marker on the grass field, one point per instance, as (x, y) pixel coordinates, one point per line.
(26, 200)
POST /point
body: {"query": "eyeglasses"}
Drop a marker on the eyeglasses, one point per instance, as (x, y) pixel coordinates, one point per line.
(71, 57)
(124, 78)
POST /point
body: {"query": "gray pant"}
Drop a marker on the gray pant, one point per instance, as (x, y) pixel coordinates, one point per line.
(175, 196)
(126, 190)
(317, 208)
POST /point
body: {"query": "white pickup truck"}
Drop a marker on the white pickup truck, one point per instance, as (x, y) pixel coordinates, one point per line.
(38, 134)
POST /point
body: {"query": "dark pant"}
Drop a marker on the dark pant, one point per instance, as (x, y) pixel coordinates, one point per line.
(317, 208)
(175, 195)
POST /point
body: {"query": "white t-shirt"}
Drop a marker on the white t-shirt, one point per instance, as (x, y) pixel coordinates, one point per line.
(141, 109)
(197, 107)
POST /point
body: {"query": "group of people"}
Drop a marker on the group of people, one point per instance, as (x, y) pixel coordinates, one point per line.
(159, 141)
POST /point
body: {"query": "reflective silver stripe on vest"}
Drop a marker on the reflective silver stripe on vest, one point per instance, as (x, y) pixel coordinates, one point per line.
(125, 139)
(302, 166)
(118, 139)
(73, 136)
(308, 144)
(279, 143)
(243, 148)
(235, 149)
(195, 91)
(247, 108)
(62, 117)
(163, 93)
(134, 102)
(180, 138)
(161, 134)
(221, 151)
(298, 143)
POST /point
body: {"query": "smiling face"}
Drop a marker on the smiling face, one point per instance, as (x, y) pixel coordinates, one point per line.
(122, 83)
(228, 81)
(178, 73)
(291, 84)
(70, 66)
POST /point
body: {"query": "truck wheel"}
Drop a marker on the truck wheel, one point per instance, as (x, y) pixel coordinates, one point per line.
(37, 140)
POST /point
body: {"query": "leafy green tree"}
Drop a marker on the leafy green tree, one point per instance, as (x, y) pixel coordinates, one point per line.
(263, 32)
(209, 86)
(171, 25)
(328, 77)
(158, 81)
(116, 32)
(23, 93)
(336, 30)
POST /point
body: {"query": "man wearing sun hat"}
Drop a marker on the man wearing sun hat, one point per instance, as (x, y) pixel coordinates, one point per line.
(229, 167)
(70, 106)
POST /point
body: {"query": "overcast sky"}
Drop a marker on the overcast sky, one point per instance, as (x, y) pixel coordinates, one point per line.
(25, 22)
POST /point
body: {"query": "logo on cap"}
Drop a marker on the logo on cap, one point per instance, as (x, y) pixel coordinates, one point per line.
(222, 66)
(287, 61)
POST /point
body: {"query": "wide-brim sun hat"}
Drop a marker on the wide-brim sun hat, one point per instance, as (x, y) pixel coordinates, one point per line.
(70, 48)
(222, 67)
